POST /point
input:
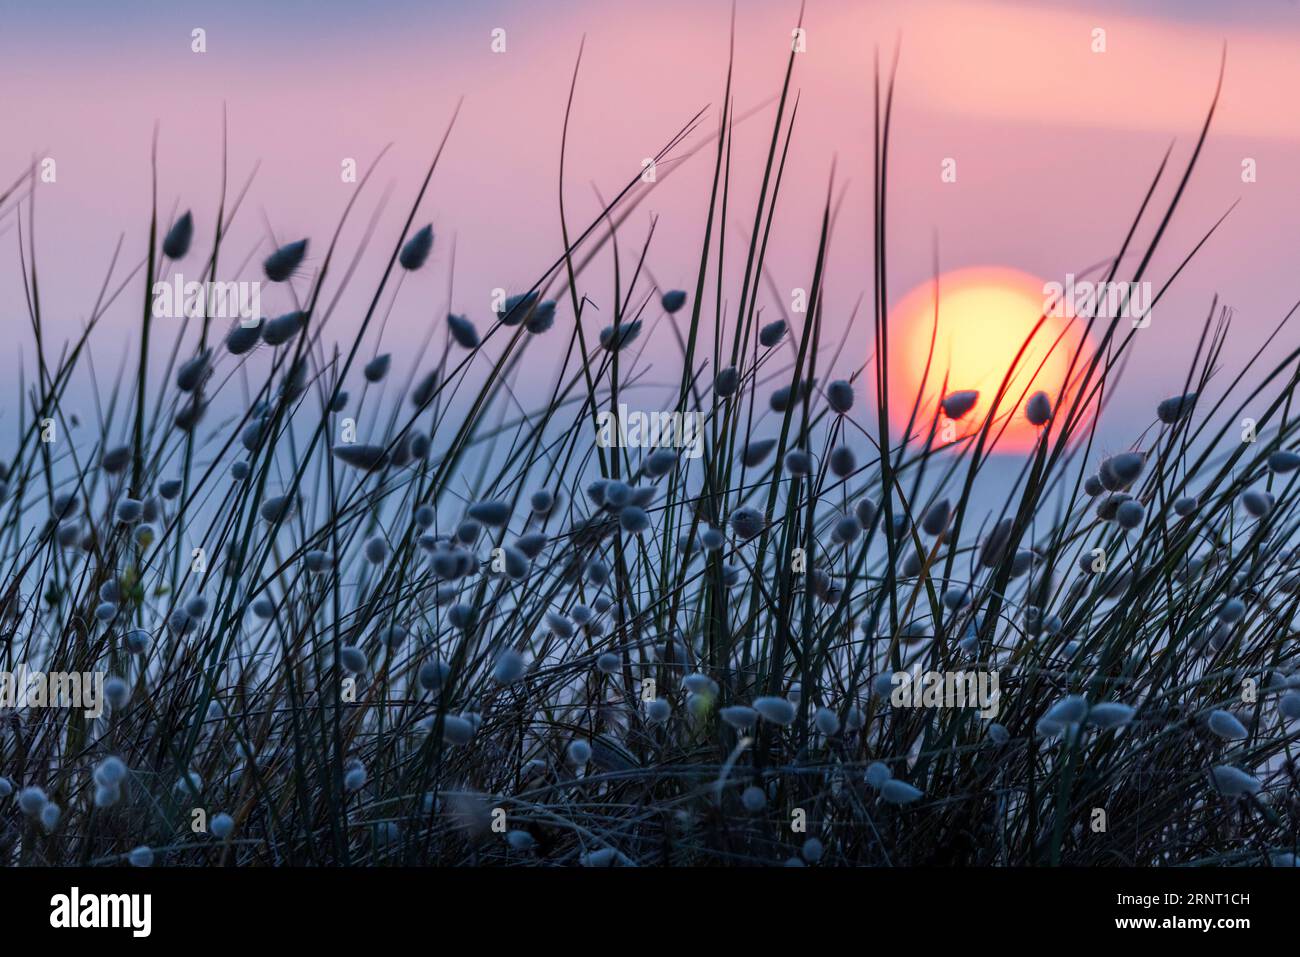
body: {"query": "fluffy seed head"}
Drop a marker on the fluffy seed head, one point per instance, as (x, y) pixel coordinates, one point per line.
(614, 338)
(578, 753)
(1233, 781)
(115, 459)
(278, 331)
(828, 722)
(432, 674)
(839, 395)
(957, 404)
(362, 456)
(1289, 705)
(1173, 409)
(1284, 461)
(877, 774)
(865, 512)
(798, 462)
(634, 520)
(376, 549)
(425, 389)
(141, 856)
(843, 462)
(756, 451)
(110, 771)
(352, 658)
(1231, 610)
(377, 368)
(846, 530)
(463, 331)
(355, 779)
(772, 333)
(117, 691)
(776, 710)
(192, 372)
(1130, 514)
(243, 337)
(1110, 714)
(282, 263)
(747, 522)
(727, 381)
(517, 308)
(32, 800)
(177, 241)
(935, 519)
(658, 711)
(1038, 410)
(673, 300)
(138, 641)
(417, 249)
(509, 668)
(738, 716)
(1123, 469)
(894, 791)
(659, 462)
(1226, 726)
(994, 546)
(1257, 503)
(457, 730)
(541, 319)
(494, 513)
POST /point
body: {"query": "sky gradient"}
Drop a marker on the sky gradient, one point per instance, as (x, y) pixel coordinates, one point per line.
(1054, 147)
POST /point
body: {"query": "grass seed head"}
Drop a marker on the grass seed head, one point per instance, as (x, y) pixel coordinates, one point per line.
(177, 241)
(578, 753)
(673, 300)
(776, 710)
(376, 549)
(284, 262)
(417, 249)
(1226, 726)
(463, 331)
(1234, 782)
(772, 333)
(957, 404)
(1178, 407)
(1257, 504)
(377, 368)
(727, 381)
(839, 396)
(141, 856)
(895, 791)
(1038, 410)
(32, 800)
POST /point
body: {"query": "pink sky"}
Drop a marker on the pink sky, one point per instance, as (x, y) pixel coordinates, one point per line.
(1054, 146)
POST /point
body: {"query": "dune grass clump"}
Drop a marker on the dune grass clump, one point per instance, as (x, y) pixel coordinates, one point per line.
(359, 611)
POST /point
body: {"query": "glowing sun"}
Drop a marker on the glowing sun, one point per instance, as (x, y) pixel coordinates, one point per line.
(985, 315)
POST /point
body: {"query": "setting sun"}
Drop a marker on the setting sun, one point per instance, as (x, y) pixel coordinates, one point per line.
(985, 316)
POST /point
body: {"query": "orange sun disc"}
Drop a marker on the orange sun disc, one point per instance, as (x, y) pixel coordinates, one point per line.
(986, 314)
